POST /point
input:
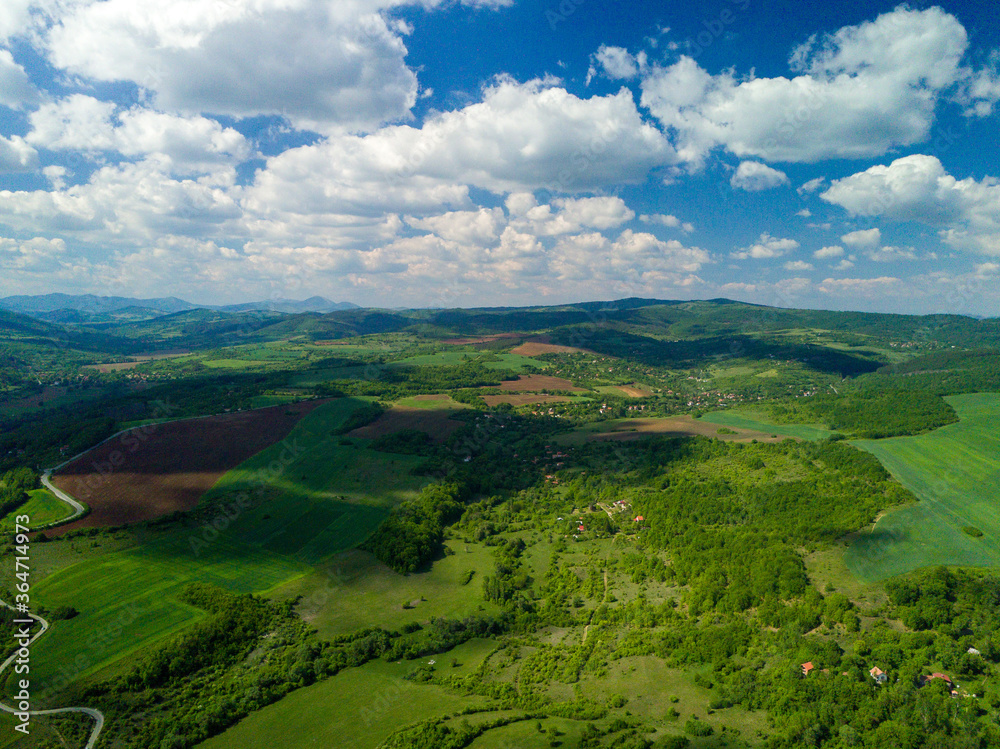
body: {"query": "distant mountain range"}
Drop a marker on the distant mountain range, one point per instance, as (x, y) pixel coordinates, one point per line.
(88, 308)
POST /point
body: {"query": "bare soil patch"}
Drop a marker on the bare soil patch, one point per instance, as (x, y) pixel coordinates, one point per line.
(533, 348)
(157, 469)
(523, 399)
(481, 339)
(136, 361)
(534, 383)
(681, 426)
(436, 422)
(634, 391)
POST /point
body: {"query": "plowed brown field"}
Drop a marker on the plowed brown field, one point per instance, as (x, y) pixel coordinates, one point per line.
(154, 470)
(534, 383)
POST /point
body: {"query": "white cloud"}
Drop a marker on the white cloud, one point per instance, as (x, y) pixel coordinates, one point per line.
(891, 254)
(804, 213)
(917, 188)
(798, 265)
(861, 92)
(465, 227)
(347, 69)
(521, 137)
(864, 287)
(16, 90)
(981, 90)
(127, 204)
(825, 253)
(866, 238)
(16, 155)
(753, 176)
(635, 257)
(618, 63)
(845, 264)
(36, 255)
(812, 185)
(767, 247)
(667, 220)
(81, 122)
(78, 122)
(14, 17)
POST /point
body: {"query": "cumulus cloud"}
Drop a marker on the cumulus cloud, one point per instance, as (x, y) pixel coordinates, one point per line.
(917, 188)
(16, 155)
(129, 204)
(347, 70)
(982, 88)
(866, 238)
(466, 227)
(668, 220)
(812, 185)
(36, 255)
(767, 247)
(636, 257)
(798, 265)
(826, 253)
(860, 92)
(81, 122)
(618, 63)
(753, 176)
(16, 90)
(891, 254)
(14, 17)
(519, 138)
(866, 287)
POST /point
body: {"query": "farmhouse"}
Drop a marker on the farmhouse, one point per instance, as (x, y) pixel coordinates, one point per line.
(807, 667)
(878, 675)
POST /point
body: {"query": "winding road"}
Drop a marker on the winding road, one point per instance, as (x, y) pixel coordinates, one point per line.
(78, 509)
(98, 717)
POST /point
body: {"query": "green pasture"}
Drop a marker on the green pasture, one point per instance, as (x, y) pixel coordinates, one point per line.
(264, 401)
(354, 590)
(432, 405)
(955, 473)
(759, 422)
(43, 508)
(322, 493)
(359, 708)
(507, 362)
(128, 599)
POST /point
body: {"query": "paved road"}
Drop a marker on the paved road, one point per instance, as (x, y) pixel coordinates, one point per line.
(78, 509)
(95, 714)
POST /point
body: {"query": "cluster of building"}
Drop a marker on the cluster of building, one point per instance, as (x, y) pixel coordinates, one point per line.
(881, 677)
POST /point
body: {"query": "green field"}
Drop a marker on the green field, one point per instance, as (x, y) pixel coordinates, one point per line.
(759, 422)
(357, 709)
(322, 497)
(354, 590)
(432, 405)
(954, 472)
(43, 508)
(128, 599)
(507, 362)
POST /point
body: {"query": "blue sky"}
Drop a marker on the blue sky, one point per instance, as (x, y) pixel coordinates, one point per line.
(502, 152)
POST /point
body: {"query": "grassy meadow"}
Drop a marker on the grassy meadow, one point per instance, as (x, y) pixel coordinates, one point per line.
(357, 709)
(759, 422)
(43, 508)
(954, 472)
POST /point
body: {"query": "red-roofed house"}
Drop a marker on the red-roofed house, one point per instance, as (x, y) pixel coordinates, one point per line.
(878, 675)
(807, 667)
(936, 675)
